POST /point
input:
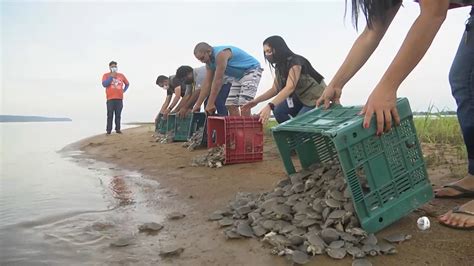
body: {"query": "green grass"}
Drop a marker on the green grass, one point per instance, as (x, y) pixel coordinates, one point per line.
(438, 129)
(268, 127)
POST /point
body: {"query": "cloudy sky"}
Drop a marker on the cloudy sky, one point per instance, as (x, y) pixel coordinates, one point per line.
(53, 53)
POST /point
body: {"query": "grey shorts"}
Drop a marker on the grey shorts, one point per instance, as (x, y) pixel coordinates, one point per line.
(244, 89)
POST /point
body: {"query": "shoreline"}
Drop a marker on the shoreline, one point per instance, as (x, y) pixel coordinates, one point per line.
(198, 191)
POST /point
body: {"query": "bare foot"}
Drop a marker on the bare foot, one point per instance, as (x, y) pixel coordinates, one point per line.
(467, 183)
(462, 218)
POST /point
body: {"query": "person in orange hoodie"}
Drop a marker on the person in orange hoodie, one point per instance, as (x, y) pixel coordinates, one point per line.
(115, 85)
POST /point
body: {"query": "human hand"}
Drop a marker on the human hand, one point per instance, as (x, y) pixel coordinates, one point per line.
(383, 102)
(331, 94)
(265, 114)
(210, 108)
(196, 108)
(249, 105)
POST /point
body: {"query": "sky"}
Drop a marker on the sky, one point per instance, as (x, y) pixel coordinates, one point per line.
(54, 53)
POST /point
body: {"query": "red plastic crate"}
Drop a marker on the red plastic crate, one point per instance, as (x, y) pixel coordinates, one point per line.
(241, 136)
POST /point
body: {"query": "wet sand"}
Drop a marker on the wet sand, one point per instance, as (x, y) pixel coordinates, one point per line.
(198, 191)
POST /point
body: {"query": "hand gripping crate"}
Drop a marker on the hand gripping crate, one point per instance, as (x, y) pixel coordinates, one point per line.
(242, 137)
(185, 127)
(392, 165)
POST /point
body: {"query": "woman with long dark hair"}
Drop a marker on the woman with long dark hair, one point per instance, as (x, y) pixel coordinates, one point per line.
(382, 101)
(296, 87)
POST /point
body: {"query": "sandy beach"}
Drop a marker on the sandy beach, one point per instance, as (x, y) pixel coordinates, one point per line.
(198, 191)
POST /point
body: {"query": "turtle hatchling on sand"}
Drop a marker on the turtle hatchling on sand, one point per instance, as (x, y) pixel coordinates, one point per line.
(244, 229)
(329, 235)
(231, 234)
(355, 252)
(336, 253)
(123, 241)
(387, 248)
(299, 257)
(361, 262)
(216, 216)
(176, 216)
(397, 238)
(150, 227)
(168, 251)
(226, 221)
(372, 250)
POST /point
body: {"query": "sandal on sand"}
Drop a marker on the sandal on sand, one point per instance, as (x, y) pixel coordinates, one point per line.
(457, 209)
(464, 193)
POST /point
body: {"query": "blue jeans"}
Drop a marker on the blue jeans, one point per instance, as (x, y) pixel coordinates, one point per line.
(461, 79)
(220, 100)
(283, 112)
(114, 106)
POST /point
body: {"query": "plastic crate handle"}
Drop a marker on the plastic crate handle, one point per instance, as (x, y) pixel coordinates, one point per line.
(214, 136)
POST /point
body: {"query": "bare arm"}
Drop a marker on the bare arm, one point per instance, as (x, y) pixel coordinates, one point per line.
(360, 52)
(177, 97)
(221, 65)
(165, 104)
(292, 80)
(382, 100)
(182, 103)
(268, 94)
(205, 88)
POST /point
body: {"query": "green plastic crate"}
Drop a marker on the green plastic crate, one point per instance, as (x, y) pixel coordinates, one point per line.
(199, 123)
(391, 164)
(159, 123)
(185, 127)
(162, 125)
(170, 124)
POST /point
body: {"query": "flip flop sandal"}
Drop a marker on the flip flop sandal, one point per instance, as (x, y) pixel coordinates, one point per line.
(465, 193)
(457, 209)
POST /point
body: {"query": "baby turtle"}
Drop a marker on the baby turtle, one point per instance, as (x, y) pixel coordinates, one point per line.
(216, 216)
(277, 241)
(284, 182)
(226, 222)
(356, 231)
(356, 252)
(243, 210)
(361, 262)
(398, 238)
(298, 187)
(387, 248)
(259, 230)
(296, 240)
(329, 235)
(336, 253)
(244, 229)
(309, 184)
(171, 250)
(268, 224)
(176, 216)
(348, 237)
(288, 229)
(337, 214)
(299, 257)
(332, 203)
(150, 227)
(337, 244)
(372, 250)
(231, 234)
(307, 222)
(337, 195)
(122, 241)
(370, 240)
